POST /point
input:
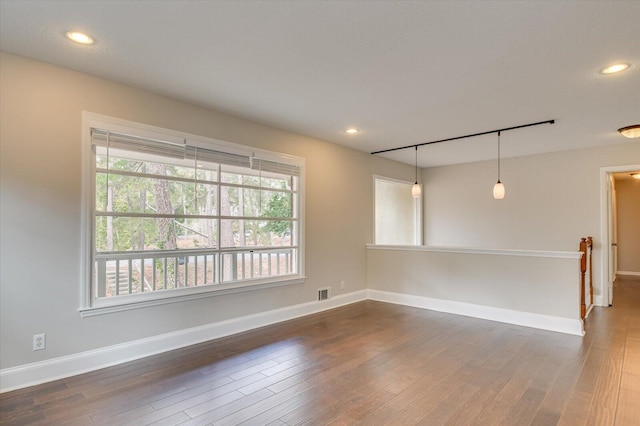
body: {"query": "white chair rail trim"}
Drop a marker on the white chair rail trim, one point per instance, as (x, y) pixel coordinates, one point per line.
(478, 250)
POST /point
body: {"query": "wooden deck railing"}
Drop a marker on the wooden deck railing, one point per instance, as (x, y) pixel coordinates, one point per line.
(125, 273)
(586, 247)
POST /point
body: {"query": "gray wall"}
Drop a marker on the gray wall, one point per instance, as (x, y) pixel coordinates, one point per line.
(514, 282)
(552, 200)
(40, 180)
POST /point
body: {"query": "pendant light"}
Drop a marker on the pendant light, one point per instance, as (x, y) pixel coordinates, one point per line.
(498, 188)
(415, 189)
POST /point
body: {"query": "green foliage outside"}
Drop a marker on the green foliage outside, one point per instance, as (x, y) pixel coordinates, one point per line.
(137, 194)
(279, 205)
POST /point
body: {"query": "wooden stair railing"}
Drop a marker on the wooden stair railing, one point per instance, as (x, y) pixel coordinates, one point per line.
(586, 247)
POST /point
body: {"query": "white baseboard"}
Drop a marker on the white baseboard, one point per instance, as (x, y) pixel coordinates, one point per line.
(527, 319)
(58, 368)
(598, 300)
(633, 274)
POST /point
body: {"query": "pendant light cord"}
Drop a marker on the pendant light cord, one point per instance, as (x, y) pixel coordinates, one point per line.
(416, 164)
(498, 156)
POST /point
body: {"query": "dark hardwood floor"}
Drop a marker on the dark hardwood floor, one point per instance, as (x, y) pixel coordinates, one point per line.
(369, 363)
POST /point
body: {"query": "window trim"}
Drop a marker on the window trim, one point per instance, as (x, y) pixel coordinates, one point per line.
(418, 207)
(90, 306)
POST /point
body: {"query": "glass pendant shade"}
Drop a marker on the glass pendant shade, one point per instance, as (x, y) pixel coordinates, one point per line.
(498, 188)
(416, 190)
(498, 191)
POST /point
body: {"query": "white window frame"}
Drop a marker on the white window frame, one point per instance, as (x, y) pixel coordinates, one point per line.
(417, 205)
(89, 304)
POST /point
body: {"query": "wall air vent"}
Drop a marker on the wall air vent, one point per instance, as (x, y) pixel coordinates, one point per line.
(324, 293)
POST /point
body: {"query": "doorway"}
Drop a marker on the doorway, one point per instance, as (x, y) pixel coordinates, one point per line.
(608, 228)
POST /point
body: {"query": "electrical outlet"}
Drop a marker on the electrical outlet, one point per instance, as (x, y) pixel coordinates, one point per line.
(341, 285)
(39, 342)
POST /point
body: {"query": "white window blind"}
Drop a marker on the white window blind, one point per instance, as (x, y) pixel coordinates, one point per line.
(114, 140)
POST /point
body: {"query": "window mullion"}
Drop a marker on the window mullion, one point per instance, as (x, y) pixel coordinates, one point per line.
(195, 178)
(154, 215)
(151, 176)
(217, 259)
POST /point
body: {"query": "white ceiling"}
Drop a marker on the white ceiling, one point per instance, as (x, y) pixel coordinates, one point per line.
(403, 72)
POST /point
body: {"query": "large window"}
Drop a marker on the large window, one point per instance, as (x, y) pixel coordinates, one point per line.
(174, 216)
(397, 213)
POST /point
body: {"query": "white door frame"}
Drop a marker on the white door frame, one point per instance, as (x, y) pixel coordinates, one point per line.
(605, 238)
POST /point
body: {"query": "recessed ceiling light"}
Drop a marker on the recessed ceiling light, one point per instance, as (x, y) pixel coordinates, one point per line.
(78, 37)
(615, 68)
(352, 131)
(635, 176)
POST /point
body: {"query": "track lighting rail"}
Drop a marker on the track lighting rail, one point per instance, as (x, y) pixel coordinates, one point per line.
(465, 136)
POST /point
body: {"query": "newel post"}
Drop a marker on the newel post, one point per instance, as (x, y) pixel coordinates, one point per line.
(583, 269)
(590, 246)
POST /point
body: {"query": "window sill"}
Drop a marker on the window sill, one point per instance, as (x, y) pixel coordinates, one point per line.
(134, 302)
